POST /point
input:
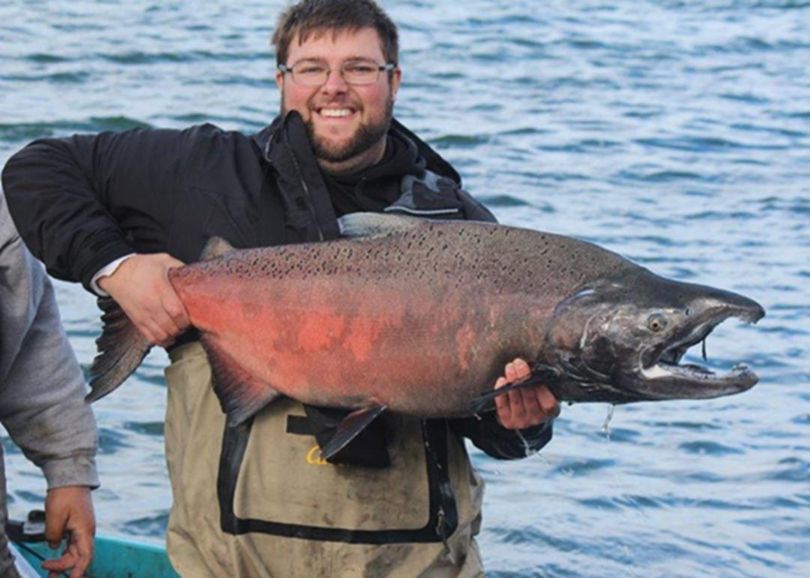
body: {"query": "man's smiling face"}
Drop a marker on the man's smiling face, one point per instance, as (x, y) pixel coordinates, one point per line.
(346, 123)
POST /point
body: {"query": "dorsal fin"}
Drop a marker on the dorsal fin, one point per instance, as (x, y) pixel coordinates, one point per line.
(214, 248)
(375, 224)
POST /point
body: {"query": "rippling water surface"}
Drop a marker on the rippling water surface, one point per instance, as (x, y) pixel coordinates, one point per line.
(676, 133)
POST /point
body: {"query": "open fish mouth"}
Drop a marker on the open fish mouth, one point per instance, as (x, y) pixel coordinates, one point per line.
(668, 378)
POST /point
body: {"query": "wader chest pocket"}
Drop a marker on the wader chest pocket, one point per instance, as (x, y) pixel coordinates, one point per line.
(273, 482)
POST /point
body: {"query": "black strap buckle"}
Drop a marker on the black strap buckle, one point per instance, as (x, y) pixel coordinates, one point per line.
(32, 529)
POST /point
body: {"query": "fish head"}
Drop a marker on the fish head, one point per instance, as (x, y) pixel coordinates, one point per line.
(623, 340)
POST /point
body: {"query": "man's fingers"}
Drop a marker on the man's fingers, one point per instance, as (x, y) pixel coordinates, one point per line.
(167, 327)
(547, 402)
(62, 564)
(158, 326)
(502, 402)
(175, 310)
(84, 551)
(509, 406)
(516, 405)
(522, 369)
(172, 306)
(510, 373)
(523, 407)
(75, 560)
(55, 528)
(169, 320)
(533, 410)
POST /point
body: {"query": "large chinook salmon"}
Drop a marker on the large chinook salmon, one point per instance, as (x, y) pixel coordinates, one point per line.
(420, 317)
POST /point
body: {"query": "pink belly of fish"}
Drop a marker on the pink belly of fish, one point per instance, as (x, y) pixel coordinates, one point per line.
(416, 349)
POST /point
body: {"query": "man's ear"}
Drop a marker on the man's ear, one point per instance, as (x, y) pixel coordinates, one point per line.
(396, 80)
(280, 79)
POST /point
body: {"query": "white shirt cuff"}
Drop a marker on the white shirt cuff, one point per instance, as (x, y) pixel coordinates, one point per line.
(106, 271)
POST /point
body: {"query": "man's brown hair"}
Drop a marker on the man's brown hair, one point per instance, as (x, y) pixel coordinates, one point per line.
(309, 17)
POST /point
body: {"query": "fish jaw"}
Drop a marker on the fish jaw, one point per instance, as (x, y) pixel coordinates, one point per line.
(623, 342)
(661, 375)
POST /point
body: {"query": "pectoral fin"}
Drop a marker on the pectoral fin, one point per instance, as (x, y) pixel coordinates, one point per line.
(240, 393)
(540, 375)
(348, 429)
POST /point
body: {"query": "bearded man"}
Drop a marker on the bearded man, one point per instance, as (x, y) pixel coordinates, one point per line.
(116, 211)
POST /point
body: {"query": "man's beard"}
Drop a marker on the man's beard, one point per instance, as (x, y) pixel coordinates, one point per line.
(367, 136)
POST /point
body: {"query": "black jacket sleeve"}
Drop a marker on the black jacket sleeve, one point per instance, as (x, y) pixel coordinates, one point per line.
(498, 442)
(74, 199)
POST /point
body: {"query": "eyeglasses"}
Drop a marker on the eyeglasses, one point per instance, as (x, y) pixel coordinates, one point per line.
(354, 72)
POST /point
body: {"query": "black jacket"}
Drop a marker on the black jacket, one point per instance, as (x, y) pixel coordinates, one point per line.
(84, 201)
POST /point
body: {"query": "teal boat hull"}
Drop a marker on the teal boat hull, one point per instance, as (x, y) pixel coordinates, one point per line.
(114, 558)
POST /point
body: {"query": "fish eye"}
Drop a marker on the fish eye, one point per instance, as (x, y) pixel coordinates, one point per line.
(656, 322)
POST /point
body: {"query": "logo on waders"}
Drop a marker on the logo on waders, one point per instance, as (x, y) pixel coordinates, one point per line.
(314, 457)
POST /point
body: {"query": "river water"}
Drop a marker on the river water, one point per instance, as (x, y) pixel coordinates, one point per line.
(676, 133)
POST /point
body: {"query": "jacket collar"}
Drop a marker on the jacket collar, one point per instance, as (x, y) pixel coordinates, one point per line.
(435, 162)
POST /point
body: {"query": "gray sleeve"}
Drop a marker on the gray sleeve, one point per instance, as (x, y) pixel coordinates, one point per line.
(41, 384)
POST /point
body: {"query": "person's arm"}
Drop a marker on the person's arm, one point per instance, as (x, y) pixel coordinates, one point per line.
(60, 193)
(71, 200)
(42, 398)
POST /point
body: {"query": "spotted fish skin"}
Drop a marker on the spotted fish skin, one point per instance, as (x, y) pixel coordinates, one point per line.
(420, 320)
(412, 315)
